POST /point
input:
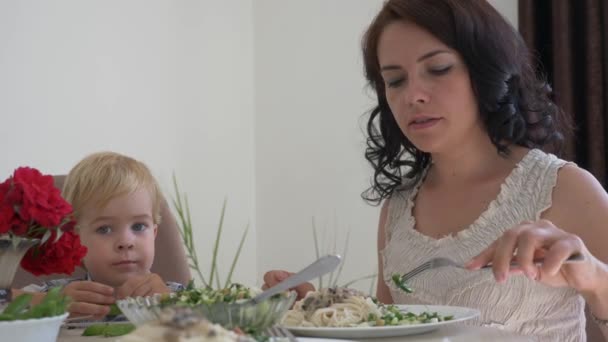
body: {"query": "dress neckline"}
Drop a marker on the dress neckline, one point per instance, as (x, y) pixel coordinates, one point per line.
(515, 176)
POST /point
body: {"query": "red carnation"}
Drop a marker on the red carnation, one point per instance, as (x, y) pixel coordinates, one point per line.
(41, 200)
(61, 256)
(31, 206)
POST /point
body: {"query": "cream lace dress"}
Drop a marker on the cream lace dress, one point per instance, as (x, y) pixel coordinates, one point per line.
(520, 305)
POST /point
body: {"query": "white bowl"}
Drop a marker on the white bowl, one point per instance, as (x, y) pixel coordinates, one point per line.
(32, 330)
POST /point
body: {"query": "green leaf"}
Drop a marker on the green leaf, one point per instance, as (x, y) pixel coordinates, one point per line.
(108, 330)
(59, 235)
(359, 279)
(346, 241)
(94, 330)
(18, 304)
(118, 329)
(7, 317)
(217, 242)
(316, 241)
(185, 229)
(46, 237)
(114, 310)
(236, 256)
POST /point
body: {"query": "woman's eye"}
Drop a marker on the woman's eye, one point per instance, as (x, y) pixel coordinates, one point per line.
(139, 227)
(440, 70)
(103, 230)
(394, 83)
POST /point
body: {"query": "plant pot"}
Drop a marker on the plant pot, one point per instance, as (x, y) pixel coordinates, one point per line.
(12, 251)
(32, 330)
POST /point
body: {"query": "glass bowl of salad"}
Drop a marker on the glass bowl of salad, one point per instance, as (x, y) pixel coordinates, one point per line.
(230, 307)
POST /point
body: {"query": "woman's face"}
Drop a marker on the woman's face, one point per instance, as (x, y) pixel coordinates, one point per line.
(428, 88)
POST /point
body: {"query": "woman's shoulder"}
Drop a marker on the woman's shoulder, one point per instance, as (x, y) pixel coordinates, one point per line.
(579, 200)
(575, 184)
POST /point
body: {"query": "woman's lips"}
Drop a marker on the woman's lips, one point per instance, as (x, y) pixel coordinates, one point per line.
(424, 123)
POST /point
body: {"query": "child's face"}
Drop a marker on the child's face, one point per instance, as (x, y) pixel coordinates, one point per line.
(119, 238)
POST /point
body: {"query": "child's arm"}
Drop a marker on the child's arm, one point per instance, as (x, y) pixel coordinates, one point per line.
(36, 296)
(87, 298)
(142, 286)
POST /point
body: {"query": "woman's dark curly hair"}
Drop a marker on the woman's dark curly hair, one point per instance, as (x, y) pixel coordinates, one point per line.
(515, 106)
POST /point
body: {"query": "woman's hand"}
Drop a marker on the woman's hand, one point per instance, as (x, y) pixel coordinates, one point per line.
(542, 239)
(271, 278)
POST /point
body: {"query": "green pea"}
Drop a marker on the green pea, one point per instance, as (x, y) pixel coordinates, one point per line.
(118, 329)
(18, 304)
(94, 330)
(108, 330)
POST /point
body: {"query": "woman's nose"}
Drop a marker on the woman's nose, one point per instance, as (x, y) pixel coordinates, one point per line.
(416, 94)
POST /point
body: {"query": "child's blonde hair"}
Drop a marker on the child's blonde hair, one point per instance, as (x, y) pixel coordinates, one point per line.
(102, 176)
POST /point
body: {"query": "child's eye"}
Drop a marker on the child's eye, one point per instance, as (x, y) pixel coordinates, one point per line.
(139, 227)
(103, 230)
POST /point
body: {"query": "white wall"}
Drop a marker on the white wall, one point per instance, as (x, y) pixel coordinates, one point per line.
(309, 106)
(508, 8)
(311, 103)
(168, 82)
(173, 83)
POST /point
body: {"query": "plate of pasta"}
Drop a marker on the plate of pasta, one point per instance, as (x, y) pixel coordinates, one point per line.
(347, 313)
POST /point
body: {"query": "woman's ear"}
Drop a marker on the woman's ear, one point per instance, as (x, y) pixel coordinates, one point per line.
(155, 230)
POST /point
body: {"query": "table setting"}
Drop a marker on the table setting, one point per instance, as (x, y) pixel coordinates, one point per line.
(200, 312)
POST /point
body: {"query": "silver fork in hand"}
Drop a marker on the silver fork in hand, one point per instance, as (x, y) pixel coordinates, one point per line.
(442, 262)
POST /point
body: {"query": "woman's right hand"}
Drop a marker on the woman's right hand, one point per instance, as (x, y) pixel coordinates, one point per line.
(89, 298)
(271, 278)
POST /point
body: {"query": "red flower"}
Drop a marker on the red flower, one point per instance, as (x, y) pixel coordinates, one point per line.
(41, 201)
(31, 206)
(61, 256)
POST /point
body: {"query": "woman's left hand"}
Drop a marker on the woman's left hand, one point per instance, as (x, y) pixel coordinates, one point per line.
(541, 239)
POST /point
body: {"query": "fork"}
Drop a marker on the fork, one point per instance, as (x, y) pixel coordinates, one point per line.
(442, 262)
(281, 332)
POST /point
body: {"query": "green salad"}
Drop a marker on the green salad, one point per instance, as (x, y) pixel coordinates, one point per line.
(53, 304)
(208, 296)
(393, 316)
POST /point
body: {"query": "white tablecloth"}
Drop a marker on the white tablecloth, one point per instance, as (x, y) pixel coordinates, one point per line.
(454, 333)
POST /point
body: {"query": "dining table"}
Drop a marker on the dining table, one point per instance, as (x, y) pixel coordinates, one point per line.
(452, 333)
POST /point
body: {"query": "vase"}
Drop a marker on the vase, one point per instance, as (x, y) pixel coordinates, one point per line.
(12, 250)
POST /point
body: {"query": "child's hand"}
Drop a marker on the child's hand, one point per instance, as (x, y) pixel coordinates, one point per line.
(89, 298)
(271, 278)
(142, 286)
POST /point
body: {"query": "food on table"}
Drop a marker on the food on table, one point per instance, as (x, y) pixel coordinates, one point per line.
(108, 329)
(181, 324)
(344, 307)
(53, 304)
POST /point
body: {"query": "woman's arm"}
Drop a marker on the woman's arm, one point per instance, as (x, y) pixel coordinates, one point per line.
(580, 207)
(382, 291)
(576, 223)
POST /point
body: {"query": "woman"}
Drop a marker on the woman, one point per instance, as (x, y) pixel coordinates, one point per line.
(455, 141)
